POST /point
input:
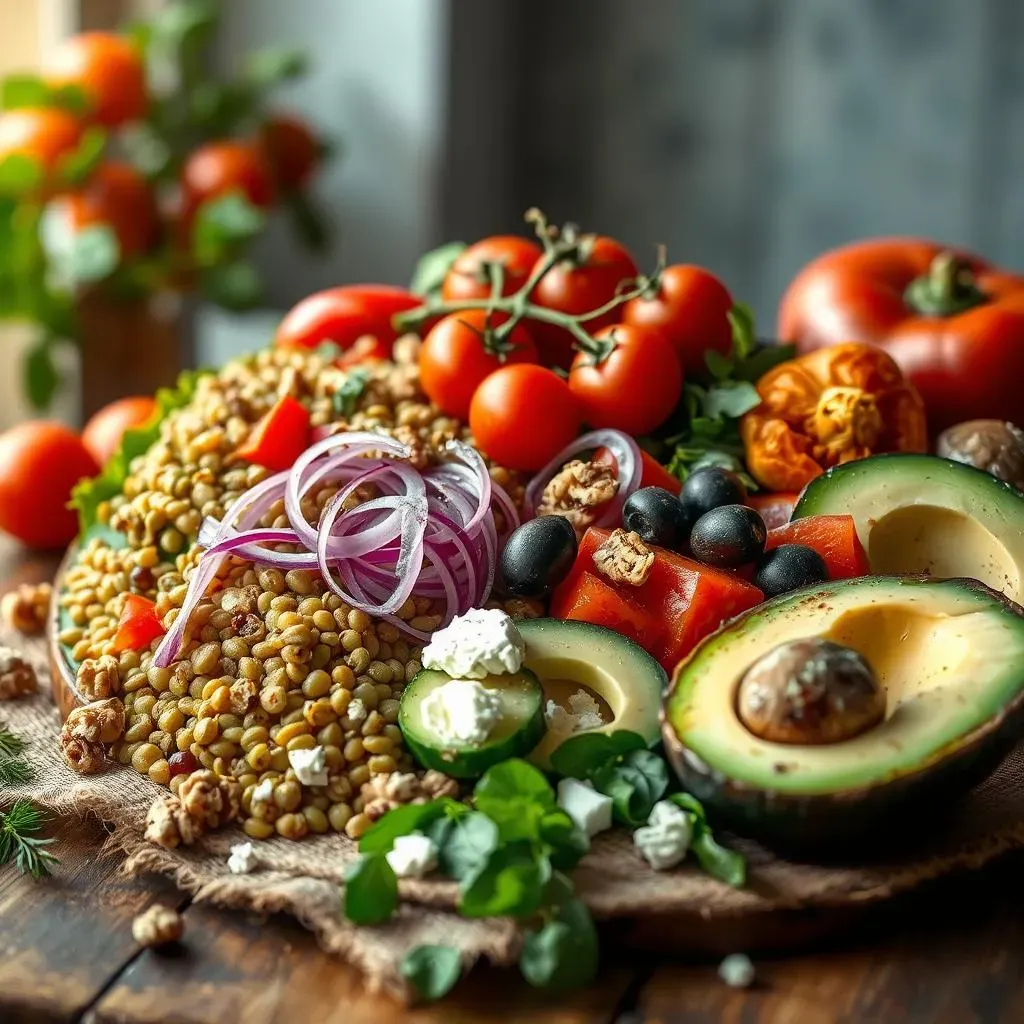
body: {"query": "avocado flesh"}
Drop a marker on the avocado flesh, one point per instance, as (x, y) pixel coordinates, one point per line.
(622, 674)
(922, 514)
(949, 654)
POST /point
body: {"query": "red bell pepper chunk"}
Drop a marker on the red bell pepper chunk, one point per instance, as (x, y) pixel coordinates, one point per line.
(280, 437)
(775, 508)
(138, 626)
(679, 604)
(654, 473)
(833, 537)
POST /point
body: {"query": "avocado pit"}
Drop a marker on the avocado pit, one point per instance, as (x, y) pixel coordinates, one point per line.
(810, 691)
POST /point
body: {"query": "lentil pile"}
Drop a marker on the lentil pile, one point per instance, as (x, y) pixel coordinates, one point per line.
(274, 661)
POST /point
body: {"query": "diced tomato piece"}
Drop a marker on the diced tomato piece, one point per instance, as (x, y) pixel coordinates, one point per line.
(139, 625)
(679, 604)
(833, 537)
(654, 473)
(775, 508)
(280, 437)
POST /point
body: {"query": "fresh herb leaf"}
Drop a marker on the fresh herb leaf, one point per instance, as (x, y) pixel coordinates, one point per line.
(88, 495)
(401, 821)
(761, 360)
(222, 225)
(730, 399)
(726, 865)
(14, 770)
(744, 336)
(371, 890)
(74, 167)
(41, 376)
(511, 882)
(432, 970)
(566, 842)
(635, 786)
(19, 844)
(515, 796)
(465, 844)
(10, 744)
(563, 953)
(350, 391)
(580, 757)
(718, 365)
(432, 267)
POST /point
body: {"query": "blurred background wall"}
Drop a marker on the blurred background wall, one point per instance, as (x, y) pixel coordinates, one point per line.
(747, 134)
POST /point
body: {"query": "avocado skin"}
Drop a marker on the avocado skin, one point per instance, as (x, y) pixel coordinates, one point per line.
(865, 822)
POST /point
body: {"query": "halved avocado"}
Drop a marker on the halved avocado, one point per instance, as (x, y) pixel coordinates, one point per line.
(950, 657)
(922, 514)
(568, 655)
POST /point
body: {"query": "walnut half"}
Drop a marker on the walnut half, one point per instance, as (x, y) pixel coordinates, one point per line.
(98, 678)
(577, 490)
(99, 722)
(158, 926)
(624, 558)
(17, 676)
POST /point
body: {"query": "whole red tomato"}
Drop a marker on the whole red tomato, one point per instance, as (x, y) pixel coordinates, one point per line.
(633, 384)
(108, 69)
(522, 416)
(691, 307)
(217, 168)
(291, 149)
(460, 351)
(116, 195)
(41, 462)
(102, 434)
(43, 135)
(344, 315)
(573, 288)
(467, 279)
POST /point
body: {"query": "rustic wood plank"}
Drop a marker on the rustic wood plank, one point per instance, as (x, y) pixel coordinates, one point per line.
(63, 939)
(236, 967)
(954, 953)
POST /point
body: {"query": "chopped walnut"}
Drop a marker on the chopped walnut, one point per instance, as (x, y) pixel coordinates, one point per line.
(25, 609)
(243, 695)
(624, 558)
(17, 676)
(577, 491)
(209, 799)
(98, 678)
(99, 722)
(168, 825)
(384, 793)
(158, 926)
(86, 756)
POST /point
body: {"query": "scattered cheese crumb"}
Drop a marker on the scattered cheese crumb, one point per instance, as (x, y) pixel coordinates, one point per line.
(310, 766)
(664, 840)
(591, 812)
(412, 856)
(264, 791)
(737, 971)
(243, 859)
(582, 714)
(356, 710)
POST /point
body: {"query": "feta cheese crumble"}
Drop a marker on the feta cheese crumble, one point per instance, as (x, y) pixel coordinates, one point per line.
(310, 766)
(243, 859)
(664, 840)
(590, 811)
(737, 971)
(356, 710)
(462, 712)
(582, 714)
(483, 642)
(412, 856)
(264, 791)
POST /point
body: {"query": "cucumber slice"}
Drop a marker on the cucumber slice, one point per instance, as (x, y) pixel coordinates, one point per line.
(518, 732)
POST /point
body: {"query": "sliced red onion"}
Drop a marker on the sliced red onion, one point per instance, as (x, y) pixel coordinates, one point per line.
(627, 458)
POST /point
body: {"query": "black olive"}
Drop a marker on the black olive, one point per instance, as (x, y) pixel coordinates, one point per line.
(712, 488)
(789, 567)
(728, 537)
(658, 516)
(538, 556)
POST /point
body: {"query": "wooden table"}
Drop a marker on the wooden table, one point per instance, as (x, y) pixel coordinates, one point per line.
(951, 952)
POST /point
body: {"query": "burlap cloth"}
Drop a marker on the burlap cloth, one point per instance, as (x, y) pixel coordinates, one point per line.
(302, 878)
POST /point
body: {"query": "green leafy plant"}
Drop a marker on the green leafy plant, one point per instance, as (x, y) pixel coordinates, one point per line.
(19, 844)
(432, 971)
(85, 213)
(14, 769)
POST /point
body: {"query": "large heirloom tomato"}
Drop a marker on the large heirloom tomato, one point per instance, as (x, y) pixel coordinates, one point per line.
(953, 323)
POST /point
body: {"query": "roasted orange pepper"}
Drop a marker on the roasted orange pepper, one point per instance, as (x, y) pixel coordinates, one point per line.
(828, 407)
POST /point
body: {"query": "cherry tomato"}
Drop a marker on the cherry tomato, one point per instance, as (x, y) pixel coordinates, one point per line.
(108, 69)
(580, 289)
(116, 195)
(41, 462)
(691, 308)
(102, 434)
(344, 315)
(465, 279)
(217, 168)
(291, 149)
(522, 416)
(459, 352)
(42, 135)
(635, 386)
(367, 349)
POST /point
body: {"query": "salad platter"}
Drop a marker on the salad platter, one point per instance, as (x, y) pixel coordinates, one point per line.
(546, 558)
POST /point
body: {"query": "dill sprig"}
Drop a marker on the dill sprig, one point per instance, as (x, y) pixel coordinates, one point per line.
(19, 844)
(13, 767)
(10, 744)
